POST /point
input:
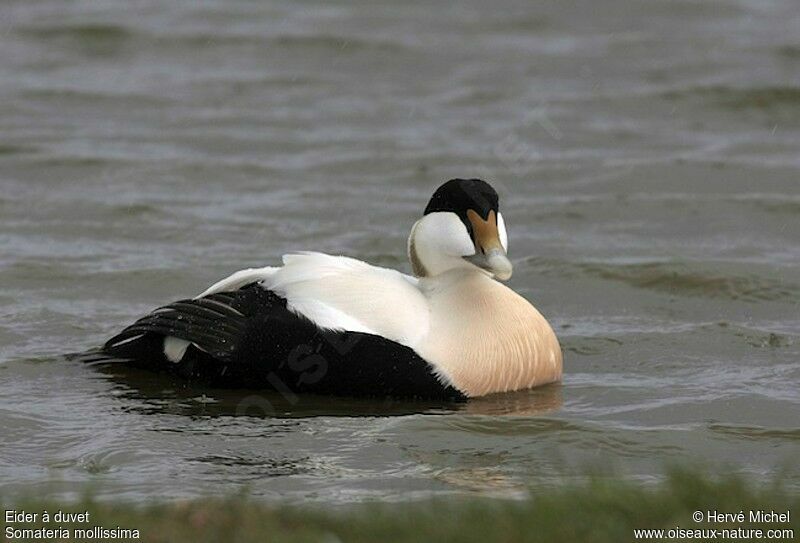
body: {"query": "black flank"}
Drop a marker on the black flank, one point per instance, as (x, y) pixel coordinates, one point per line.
(248, 338)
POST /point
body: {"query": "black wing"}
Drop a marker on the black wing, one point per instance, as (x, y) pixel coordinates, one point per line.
(217, 323)
(248, 338)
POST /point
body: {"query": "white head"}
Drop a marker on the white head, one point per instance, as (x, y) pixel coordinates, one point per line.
(462, 228)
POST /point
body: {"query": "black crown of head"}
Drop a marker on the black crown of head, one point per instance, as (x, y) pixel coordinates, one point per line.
(459, 195)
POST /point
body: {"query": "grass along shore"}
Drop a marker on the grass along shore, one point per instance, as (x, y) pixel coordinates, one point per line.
(600, 511)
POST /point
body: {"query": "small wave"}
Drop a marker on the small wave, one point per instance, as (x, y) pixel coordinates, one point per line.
(789, 51)
(341, 43)
(756, 432)
(264, 466)
(657, 339)
(681, 280)
(83, 32)
(71, 96)
(509, 426)
(589, 346)
(755, 98)
(16, 149)
(787, 208)
(678, 279)
(762, 340)
(754, 337)
(92, 40)
(330, 42)
(135, 210)
(520, 23)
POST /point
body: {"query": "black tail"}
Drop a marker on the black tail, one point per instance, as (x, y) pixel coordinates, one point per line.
(217, 324)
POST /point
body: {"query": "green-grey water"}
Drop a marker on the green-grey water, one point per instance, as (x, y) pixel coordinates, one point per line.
(647, 156)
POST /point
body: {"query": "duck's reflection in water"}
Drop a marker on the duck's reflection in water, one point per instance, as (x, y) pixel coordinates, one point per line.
(474, 447)
(537, 401)
(146, 392)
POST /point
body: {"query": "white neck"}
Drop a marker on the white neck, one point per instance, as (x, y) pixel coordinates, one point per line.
(437, 243)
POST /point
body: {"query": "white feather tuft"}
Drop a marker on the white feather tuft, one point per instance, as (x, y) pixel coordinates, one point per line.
(239, 279)
(175, 348)
(501, 231)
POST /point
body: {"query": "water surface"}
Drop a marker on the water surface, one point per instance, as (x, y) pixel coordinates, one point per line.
(648, 160)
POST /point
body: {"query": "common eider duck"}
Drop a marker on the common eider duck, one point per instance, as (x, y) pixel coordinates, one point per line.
(335, 325)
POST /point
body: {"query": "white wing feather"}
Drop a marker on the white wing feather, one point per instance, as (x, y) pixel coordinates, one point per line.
(342, 293)
(239, 279)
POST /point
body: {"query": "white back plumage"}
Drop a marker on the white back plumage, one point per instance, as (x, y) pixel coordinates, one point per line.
(341, 293)
(346, 294)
